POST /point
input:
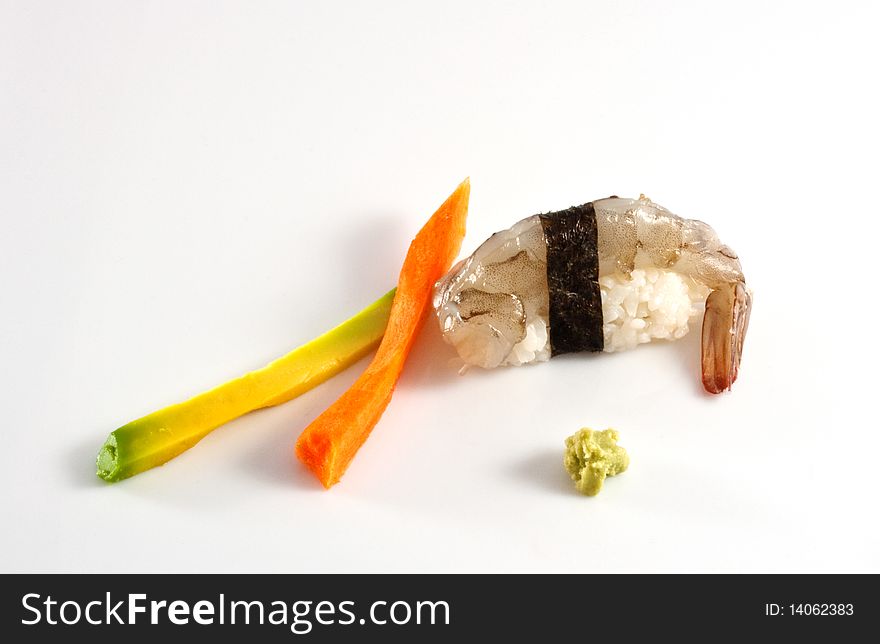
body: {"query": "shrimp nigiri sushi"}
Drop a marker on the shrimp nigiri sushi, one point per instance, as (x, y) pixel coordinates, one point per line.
(604, 276)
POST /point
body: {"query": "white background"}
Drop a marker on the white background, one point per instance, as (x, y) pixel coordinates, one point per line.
(189, 189)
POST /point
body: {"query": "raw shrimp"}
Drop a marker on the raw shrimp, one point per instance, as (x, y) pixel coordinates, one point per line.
(606, 275)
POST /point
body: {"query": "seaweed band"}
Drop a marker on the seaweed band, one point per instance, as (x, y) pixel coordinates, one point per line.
(575, 304)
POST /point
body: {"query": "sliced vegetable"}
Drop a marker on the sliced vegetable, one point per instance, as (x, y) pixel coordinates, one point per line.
(328, 444)
(162, 435)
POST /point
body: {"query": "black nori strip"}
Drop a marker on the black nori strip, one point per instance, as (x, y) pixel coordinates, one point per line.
(573, 280)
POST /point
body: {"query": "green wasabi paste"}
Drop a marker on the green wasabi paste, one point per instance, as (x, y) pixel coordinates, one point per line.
(590, 456)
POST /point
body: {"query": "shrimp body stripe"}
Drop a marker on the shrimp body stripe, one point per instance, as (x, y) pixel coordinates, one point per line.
(575, 300)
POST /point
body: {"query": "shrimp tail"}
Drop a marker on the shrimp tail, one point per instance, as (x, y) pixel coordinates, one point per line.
(724, 330)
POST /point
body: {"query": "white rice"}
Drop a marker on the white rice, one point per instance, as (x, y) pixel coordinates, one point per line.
(535, 347)
(654, 305)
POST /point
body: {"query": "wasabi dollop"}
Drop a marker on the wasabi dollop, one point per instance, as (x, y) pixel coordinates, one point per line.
(590, 456)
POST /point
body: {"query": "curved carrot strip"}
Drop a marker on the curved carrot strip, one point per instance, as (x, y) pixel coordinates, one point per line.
(329, 443)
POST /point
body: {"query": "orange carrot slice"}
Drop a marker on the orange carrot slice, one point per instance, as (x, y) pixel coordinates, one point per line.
(331, 441)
